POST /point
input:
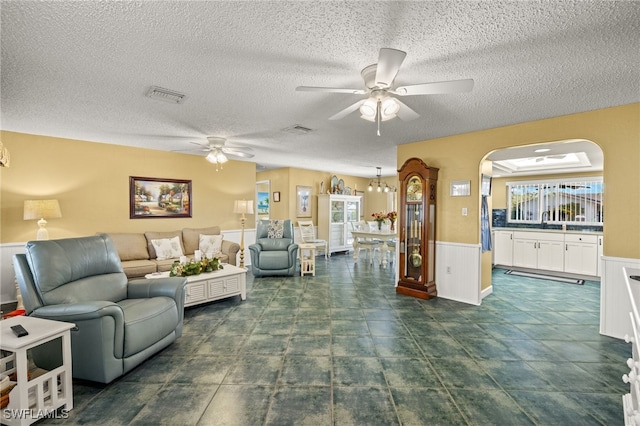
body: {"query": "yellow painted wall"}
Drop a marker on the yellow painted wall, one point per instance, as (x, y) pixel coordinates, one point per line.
(91, 181)
(287, 179)
(616, 130)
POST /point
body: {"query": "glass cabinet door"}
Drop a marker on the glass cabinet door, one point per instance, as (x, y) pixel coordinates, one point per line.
(337, 211)
(353, 213)
(413, 242)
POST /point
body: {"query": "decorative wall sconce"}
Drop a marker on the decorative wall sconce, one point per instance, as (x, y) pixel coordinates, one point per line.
(5, 158)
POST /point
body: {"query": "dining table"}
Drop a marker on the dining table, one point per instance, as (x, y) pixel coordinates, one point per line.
(383, 235)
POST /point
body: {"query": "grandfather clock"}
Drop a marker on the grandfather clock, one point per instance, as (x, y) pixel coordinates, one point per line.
(417, 227)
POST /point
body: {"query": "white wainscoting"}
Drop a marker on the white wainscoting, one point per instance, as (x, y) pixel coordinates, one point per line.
(249, 238)
(7, 274)
(614, 297)
(458, 272)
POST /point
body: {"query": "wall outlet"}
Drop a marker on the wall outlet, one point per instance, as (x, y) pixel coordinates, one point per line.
(448, 269)
(464, 211)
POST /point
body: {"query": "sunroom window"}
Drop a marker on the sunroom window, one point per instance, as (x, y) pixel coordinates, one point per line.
(576, 201)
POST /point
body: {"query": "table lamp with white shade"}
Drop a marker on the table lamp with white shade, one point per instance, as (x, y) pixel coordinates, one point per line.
(242, 207)
(41, 209)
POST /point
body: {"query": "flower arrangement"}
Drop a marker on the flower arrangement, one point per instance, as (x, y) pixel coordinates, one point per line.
(194, 268)
(392, 216)
(379, 217)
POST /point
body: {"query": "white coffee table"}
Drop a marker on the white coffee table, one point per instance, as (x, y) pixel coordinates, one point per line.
(210, 286)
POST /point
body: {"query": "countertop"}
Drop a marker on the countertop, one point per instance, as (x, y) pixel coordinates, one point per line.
(553, 231)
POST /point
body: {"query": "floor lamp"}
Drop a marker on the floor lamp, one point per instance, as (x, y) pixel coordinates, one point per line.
(242, 207)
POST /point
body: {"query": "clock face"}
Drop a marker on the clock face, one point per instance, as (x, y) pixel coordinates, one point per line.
(414, 189)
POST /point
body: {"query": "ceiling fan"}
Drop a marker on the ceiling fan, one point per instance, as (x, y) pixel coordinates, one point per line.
(218, 152)
(378, 79)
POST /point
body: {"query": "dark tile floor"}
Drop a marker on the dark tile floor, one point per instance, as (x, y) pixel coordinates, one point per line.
(342, 348)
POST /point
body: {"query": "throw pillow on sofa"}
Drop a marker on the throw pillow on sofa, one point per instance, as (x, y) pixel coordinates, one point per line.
(167, 248)
(211, 245)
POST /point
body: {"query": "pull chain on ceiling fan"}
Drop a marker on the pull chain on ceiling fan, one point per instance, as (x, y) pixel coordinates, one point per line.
(378, 79)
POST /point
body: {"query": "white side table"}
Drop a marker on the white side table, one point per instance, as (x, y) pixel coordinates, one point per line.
(307, 259)
(31, 400)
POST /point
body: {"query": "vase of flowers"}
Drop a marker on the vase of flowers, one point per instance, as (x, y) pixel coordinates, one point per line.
(379, 217)
(392, 216)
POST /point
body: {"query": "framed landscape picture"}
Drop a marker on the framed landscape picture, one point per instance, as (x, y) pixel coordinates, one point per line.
(263, 203)
(159, 198)
(303, 201)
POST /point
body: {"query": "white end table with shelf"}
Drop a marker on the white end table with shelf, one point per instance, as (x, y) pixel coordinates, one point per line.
(307, 259)
(31, 400)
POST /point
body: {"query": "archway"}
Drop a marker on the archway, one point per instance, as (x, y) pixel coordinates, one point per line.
(544, 161)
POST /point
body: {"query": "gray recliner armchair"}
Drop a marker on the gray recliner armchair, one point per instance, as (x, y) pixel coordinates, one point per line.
(119, 324)
(274, 252)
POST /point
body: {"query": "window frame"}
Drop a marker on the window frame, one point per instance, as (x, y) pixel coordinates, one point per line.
(558, 198)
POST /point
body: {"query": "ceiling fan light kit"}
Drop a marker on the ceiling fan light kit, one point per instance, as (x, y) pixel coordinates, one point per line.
(378, 79)
(218, 153)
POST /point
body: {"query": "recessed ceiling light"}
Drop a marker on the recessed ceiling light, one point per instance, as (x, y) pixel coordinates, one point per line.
(542, 150)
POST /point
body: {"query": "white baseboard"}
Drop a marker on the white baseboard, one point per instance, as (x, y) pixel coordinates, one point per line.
(486, 292)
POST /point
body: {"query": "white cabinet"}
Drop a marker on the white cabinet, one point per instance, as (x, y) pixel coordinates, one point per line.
(600, 254)
(503, 248)
(551, 251)
(525, 253)
(335, 213)
(581, 254)
(538, 250)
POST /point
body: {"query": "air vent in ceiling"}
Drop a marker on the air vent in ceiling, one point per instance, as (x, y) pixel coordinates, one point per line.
(166, 95)
(297, 129)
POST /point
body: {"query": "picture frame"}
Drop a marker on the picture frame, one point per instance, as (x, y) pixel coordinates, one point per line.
(460, 188)
(485, 186)
(276, 197)
(263, 203)
(154, 198)
(303, 201)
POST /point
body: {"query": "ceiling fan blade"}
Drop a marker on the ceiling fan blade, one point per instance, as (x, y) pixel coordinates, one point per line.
(438, 88)
(348, 110)
(330, 90)
(405, 113)
(234, 153)
(389, 61)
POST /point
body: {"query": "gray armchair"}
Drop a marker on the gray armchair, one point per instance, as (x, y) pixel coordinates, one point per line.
(270, 255)
(119, 324)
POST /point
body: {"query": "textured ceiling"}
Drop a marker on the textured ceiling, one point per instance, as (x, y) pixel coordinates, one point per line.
(81, 70)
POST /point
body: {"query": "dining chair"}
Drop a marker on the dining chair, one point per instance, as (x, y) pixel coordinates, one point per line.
(308, 235)
(370, 245)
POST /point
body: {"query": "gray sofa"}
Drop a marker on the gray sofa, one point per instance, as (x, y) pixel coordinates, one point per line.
(273, 256)
(138, 255)
(118, 323)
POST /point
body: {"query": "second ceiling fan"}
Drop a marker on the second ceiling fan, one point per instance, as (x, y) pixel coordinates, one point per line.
(378, 79)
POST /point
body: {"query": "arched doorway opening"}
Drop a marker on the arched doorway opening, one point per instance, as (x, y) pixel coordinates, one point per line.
(570, 160)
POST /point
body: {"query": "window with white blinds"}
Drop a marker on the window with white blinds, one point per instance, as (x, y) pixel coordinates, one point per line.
(556, 201)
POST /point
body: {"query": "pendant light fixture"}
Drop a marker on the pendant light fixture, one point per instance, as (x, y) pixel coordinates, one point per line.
(379, 187)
